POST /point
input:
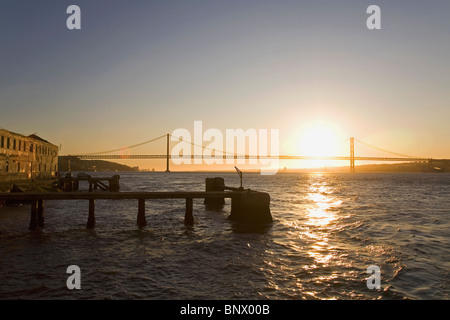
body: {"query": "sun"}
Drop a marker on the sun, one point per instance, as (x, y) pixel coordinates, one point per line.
(319, 139)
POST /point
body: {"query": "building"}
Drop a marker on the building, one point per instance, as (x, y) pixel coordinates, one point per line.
(26, 157)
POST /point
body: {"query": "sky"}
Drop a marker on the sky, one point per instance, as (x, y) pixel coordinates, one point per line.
(140, 69)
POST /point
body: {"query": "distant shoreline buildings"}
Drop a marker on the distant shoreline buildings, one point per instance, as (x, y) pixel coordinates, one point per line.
(26, 157)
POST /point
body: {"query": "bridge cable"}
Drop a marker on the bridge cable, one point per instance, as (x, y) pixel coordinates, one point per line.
(383, 150)
(129, 147)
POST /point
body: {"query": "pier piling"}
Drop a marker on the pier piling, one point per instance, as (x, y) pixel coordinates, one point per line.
(141, 221)
(91, 219)
(189, 217)
(40, 213)
(33, 217)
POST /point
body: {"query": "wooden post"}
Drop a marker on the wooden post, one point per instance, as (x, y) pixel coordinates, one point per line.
(141, 221)
(114, 183)
(33, 218)
(189, 218)
(68, 183)
(40, 213)
(91, 219)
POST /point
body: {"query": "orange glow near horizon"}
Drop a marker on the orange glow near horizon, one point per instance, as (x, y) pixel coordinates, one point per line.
(319, 139)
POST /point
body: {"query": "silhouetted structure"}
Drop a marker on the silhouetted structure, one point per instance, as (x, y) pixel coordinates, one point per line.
(159, 148)
(248, 207)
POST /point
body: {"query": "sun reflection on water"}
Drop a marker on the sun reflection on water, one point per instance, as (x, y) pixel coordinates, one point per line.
(321, 214)
(319, 218)
(323, 206)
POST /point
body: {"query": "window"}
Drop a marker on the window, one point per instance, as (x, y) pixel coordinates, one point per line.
(7, 143)
(2, 142)
(14, 144)
(31, 147)
(20, 145)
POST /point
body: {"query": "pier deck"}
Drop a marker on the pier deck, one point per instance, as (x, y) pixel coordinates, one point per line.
(37, 201)
(116, 195)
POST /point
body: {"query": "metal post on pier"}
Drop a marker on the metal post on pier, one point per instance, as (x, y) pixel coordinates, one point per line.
(240, 177)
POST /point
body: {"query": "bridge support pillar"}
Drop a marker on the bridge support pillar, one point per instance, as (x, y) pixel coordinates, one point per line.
(352, 154)
(168, 154)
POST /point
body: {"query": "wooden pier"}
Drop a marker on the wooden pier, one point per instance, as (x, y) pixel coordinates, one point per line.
(70, 183)
(246, 205)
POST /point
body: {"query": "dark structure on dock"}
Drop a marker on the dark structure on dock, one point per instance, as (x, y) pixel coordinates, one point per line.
(70, 183)
(247, 206)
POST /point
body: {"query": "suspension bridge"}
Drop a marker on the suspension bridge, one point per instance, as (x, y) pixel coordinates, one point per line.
(161, 148)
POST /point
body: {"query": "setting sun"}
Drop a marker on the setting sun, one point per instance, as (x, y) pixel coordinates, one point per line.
(319, 140)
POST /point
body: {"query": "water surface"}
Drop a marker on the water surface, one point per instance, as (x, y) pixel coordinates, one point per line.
(328, 229)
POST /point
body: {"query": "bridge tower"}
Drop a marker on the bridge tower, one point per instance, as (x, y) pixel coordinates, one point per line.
(168, 154)
(352, 154)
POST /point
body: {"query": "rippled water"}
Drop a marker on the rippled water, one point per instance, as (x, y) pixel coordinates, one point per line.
(328, 229)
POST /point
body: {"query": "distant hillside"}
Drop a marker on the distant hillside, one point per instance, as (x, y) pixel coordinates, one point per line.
(437, 166)
(404, 167)
(91, 165)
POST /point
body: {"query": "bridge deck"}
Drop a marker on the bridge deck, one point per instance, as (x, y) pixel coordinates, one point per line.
(246, 157)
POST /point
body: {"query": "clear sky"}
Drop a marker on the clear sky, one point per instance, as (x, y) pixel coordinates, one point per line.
(139, 69)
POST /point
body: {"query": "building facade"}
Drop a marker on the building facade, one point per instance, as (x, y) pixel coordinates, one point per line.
(26, 157)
